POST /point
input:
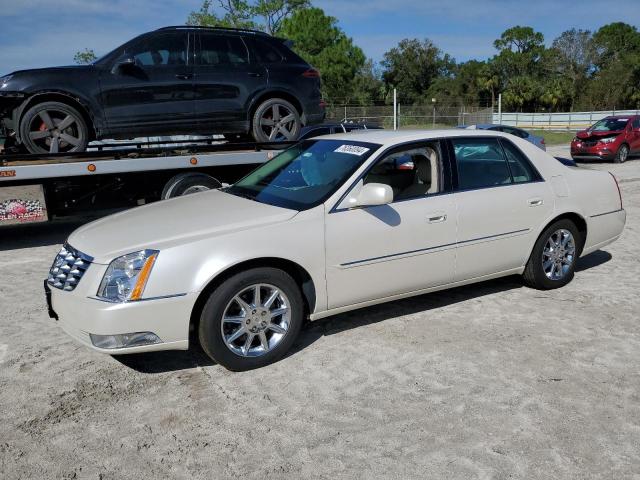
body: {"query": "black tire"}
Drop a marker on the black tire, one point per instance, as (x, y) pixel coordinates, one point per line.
(534, 274)
(210, 330)
(40, 134)
(187, 183)
(623, 154)
(260, 132)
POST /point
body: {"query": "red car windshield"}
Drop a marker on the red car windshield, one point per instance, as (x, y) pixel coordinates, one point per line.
(609, 124)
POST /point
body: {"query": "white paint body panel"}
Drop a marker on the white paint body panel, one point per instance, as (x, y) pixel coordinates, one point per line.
(354, 257)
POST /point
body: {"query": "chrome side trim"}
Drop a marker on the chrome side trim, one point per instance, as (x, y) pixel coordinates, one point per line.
(429, 249)
(607, 213)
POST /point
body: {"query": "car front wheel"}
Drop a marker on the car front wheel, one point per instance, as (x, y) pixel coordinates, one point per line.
(251, 319)
(553, 260)
(53, 127)
(622, 155)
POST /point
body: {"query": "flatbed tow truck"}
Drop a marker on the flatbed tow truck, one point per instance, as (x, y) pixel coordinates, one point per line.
(40, 188)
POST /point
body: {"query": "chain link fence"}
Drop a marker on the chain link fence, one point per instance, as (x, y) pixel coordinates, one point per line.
(411, 116)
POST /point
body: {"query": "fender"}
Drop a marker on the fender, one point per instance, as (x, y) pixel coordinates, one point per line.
(95, 114)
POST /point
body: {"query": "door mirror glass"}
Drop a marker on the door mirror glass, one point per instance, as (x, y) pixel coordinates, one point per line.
(369, 195)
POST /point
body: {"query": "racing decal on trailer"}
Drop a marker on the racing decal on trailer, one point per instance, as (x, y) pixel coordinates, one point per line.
(22, 205)
(7, 173)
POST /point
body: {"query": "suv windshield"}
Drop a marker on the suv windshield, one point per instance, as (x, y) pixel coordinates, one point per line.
(609, 124)
(304, 175)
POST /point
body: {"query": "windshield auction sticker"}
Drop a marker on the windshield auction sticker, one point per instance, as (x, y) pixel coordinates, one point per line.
(352, 150)
(24, 204)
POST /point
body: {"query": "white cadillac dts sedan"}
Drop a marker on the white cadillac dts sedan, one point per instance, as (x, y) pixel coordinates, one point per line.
(329, 225)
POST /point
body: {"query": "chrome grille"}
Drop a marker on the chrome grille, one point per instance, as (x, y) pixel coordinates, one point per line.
(68, 268)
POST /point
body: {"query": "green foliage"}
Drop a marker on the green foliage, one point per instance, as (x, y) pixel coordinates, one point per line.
(266, 15)
(318, 39)
(85, 56)
(413, 66)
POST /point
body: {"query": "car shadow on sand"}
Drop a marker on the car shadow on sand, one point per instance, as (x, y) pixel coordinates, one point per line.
(39, 234)
(157, 362)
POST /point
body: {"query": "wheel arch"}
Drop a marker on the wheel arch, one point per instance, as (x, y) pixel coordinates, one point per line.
(288, 96)
(300, 275)
(578, 220)
(62, 97)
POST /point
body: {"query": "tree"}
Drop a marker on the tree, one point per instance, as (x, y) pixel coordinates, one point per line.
(576, 55)
(616, 40)
(264, 15)
(413, 66)
(317, 38)
(85, 56)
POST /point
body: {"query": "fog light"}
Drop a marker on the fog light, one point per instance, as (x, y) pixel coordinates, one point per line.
(124, 340)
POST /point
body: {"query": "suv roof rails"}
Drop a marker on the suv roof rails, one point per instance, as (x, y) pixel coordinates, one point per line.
(226, 29)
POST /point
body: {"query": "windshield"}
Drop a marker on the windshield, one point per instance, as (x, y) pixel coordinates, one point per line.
(304, 175)
(610, 124)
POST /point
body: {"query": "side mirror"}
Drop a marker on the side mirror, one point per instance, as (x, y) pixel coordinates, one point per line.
(369, 195)
(123, 64)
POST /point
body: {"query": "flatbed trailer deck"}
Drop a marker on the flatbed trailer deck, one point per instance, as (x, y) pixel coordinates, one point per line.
(38, 188)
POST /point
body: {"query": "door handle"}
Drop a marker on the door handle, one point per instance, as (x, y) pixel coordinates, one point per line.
(254, 74)
(436, 218)
(184, 76)
(535, 202)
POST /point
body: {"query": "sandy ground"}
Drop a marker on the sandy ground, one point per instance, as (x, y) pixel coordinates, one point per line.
(488, 381)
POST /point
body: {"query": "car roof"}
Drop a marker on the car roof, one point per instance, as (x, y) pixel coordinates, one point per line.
(391, 137)
(619, 117)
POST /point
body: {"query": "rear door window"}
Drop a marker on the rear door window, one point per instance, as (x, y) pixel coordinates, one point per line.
(222, 50)
(521, 169)
(480, 163)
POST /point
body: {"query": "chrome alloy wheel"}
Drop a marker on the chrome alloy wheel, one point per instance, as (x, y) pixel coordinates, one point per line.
(278, 123)
(256, 320)
(558, 254)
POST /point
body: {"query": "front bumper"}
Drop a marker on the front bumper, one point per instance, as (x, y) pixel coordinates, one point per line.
(599, 152)
(81, 316)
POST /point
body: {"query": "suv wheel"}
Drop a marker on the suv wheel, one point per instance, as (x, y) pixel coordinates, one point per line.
(53, 127)
(275, 120)
(251, 319)
(623, 154)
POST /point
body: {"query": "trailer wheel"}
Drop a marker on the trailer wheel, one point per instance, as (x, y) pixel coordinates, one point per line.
(188, 183)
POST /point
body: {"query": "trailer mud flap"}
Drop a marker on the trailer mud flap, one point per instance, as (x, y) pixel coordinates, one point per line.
(24, 204)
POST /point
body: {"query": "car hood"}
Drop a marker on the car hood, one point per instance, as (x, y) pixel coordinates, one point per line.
(48, 70)
(173, 222)
(584, 134)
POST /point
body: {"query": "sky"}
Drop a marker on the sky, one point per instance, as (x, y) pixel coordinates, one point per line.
(39, 33)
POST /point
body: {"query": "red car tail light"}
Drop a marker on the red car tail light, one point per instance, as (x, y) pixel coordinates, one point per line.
(311, 73)
(618, 187)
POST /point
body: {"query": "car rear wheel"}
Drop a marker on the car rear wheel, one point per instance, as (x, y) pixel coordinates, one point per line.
(53, 127)
(252, 319)
(276, 120)
(553, 259)
(622, 155)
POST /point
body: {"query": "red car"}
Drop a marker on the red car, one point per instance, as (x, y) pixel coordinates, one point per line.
(612, 138)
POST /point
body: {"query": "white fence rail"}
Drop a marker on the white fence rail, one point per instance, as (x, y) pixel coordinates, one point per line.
(556, 121)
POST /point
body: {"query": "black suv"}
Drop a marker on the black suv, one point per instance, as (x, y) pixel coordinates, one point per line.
(175, 80)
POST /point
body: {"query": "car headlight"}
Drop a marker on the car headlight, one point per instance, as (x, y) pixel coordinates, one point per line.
(5, 80)
(608, 140)
(126, 276)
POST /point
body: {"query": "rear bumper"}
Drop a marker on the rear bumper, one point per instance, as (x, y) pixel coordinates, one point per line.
(79, 317)
(314, 113)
